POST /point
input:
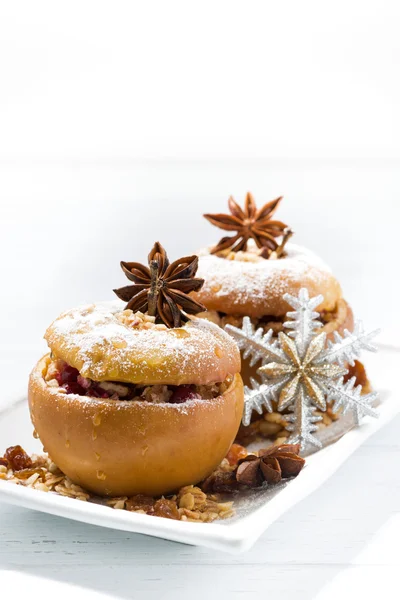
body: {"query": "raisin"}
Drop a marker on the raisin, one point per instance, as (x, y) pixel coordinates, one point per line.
(357, 371)
(140, 502)
(166, 508)
(236, 452)
(18, 458)
(223, 482)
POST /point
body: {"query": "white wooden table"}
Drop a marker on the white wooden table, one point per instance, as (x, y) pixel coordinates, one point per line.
(65, 229)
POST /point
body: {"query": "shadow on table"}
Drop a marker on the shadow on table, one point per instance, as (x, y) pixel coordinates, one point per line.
(300, 553)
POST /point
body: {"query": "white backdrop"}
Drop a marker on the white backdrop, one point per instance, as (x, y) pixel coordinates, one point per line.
(97, 79)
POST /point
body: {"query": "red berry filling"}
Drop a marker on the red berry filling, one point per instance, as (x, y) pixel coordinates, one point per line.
(73, 383)
(182, 393)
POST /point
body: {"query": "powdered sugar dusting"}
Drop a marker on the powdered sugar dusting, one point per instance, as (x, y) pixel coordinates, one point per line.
(101, 347)
(249, 275)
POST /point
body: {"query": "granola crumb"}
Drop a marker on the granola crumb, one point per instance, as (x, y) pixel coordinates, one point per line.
(139, 320)
(190, 504)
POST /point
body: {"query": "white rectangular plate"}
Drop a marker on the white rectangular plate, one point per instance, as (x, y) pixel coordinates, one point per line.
(255, 511)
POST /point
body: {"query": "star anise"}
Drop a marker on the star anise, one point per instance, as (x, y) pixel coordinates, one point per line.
(271, 465)
(162, 289)
(251, 223)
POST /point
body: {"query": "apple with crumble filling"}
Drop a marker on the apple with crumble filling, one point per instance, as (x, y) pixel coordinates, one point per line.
(248, 272)
(139, 398)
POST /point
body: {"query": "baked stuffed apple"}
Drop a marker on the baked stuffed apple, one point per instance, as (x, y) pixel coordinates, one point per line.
(250, 272)
(138, 398)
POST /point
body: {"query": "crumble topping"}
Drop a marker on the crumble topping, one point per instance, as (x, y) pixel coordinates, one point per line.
(252, 254)
(190, 503)
(139, 320)
(200, 502)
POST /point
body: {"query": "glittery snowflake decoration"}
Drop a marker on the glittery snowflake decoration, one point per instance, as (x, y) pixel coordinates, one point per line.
(301, 371)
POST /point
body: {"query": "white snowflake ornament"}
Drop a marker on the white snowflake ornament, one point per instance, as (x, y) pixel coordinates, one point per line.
(347, 397)
(302, 422)
(301, 372)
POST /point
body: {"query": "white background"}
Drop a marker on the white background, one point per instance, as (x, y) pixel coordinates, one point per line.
(121, 123)
(118, 80)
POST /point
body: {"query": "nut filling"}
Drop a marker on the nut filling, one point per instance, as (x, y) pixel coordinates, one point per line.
(331, 321)
(67, 380)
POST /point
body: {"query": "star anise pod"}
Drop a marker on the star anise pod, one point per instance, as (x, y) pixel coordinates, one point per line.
(251, 223)
(270, 465)
(162, 289)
